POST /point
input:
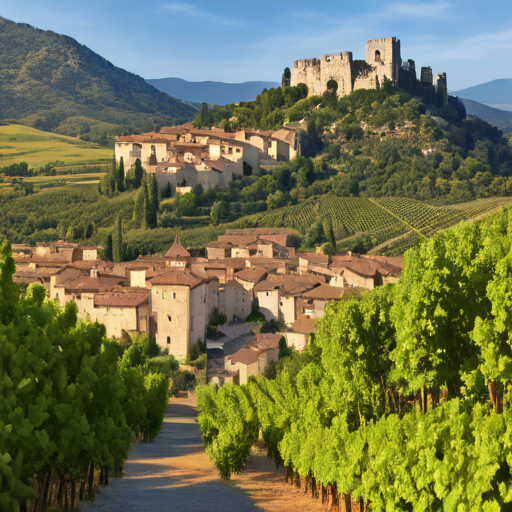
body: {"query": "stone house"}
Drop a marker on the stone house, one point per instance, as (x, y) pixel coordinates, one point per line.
(179, 309)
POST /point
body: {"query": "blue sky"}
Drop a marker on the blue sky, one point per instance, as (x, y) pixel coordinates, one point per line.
(237, 41)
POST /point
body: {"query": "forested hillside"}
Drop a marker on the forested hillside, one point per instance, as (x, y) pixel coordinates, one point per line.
(53, 83)
(402, 401)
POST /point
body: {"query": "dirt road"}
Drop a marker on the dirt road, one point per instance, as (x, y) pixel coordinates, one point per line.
(173, 473)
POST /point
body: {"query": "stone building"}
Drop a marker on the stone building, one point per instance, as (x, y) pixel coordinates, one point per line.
(340, 73)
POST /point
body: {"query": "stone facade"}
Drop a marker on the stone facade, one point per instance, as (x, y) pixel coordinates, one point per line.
(340, 73)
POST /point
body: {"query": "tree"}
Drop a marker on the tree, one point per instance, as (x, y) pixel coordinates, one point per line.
(120, 176)
(117, 242)
(219, 212)
(153, 202)
(139, 173)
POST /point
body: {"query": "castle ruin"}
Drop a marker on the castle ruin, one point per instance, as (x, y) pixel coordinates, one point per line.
(341, 74)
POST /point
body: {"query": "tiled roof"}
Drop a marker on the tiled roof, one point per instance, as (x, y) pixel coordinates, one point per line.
(245, 356)
(178, 278)
(314, 258)
(121, 299)
(251, 275)
(324, 291)
(177, 250)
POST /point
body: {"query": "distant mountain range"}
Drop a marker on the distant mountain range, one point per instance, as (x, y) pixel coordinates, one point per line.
(499, 118)
(496, 92)
(52, 82)
(215, 93)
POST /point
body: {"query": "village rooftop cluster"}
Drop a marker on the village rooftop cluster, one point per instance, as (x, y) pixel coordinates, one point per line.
(184, 156)
(171, 297)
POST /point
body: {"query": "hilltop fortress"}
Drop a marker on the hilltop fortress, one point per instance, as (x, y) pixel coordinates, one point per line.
(341, 74)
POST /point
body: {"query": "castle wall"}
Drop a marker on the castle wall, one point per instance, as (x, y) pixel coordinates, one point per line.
(383, 54)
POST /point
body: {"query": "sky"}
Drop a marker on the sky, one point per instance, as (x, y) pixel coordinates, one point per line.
(238, 41)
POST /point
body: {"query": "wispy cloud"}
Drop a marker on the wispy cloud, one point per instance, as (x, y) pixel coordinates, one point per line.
(192, 11)
(418, 10)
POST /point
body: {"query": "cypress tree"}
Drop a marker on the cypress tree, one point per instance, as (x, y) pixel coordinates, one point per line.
(139, 173)
(117, 242)
(138, 209)
(120, 176)
(153, 199)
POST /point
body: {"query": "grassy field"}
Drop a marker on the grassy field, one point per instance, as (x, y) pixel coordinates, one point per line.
(20, 143)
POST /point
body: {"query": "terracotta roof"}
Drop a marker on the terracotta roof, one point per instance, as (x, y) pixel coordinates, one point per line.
(177, 250)
(312, 257)
(178, 278)
(293, 285)
(267, 340)
(251, 275)
(121, 299)
(304, 324)
(271, 283)
(245, 356)
(324, 291)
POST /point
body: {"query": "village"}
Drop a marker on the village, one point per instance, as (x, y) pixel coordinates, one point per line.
(255, 273)
(184, 156)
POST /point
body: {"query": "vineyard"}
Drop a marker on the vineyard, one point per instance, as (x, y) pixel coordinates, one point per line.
(401, 221)
(401, 401)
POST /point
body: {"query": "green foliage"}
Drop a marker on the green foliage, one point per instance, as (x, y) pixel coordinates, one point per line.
(182, 381)
(217, 317)
(408, 387)
(69, 398)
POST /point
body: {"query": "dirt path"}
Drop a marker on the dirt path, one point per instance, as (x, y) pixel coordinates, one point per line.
(174, 474)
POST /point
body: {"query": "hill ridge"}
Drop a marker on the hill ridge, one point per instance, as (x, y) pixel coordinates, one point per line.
(53, 82)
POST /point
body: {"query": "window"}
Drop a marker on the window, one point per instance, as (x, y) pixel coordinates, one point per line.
(163, 294)
(169, 318)
(377, 56)
(243, 300)
(153, 150)
(173, 295)
(168, 340)
(268, 294)
(237, 150)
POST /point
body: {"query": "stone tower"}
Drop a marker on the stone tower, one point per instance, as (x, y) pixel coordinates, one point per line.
(384, 56)
(442, 89)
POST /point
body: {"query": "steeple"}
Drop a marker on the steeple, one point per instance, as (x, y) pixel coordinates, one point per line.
(176, 255)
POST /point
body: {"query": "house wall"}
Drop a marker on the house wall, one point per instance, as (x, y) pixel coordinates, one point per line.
(173, 334)
(269, 304)
(89, 254)
(160, 151)
(354, 279)
(138, 278)
(214, 253)
(198, 314)
(298, 340)
(287, 309)
(237, 302)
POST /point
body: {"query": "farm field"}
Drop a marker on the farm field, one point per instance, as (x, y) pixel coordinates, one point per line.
(20, 143)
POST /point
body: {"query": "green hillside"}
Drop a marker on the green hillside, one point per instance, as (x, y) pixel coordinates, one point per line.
(394, 224)
(37, 148)
(52, 82)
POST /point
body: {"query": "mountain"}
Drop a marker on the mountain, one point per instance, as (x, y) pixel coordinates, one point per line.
(52, 82)
(499, 118)
(496, 92)
(215, 93)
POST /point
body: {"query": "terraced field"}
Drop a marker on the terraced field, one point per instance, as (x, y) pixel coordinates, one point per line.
(426, 220)
(482, 206)
(395, 223)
